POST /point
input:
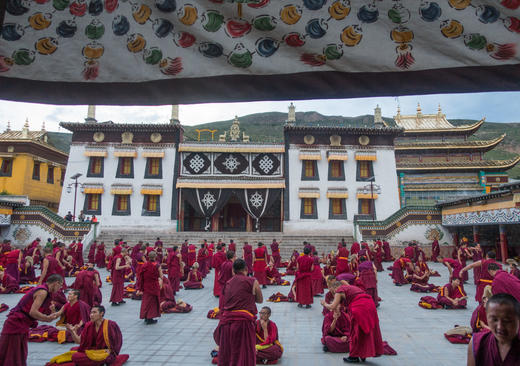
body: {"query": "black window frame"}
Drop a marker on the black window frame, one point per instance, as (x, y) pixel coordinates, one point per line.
(9, 172)
(39, 170)
(314, 215)
(50, 174)
(373, 213)
(118, 172)
(116, 212)
(342, 216)
(316, 172)
(145, 212)
(86, 211)
(370, 177)
(89, 171)
(342, 169)
(147, 175)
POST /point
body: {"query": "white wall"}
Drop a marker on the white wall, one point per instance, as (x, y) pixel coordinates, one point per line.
(78, 163)
(386, 204)
(419, 233)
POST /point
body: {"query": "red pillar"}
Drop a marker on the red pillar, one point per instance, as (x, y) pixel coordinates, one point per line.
(476, 236)
(503, 242)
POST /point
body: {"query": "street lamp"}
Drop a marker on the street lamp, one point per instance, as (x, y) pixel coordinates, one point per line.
(69, 189)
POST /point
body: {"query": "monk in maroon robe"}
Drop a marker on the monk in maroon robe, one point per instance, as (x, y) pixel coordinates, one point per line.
(335, 331)
(225, 274)
(275, 253)
(194, 281)
(87, 284)
(247, 254)
(167, 300)
(317, 277)
(436, 250)
(365, 334)
(268, 347)
(503, 282)
(355, 248)
(342, 264)
(75, 313)
(260, 264)
(8, 284)
(13, 263)
(235, 334)
(192, 254)
(175, 269)
(388, 253)
(218, 258)
(92, 252)
(368, 276)
(452, 295)
(50, 266)
(100, 255)
(420, 281)
(303, 279)
(291, 267)
(501, 345)
(378, 255)
(25, 315)
(409, 252)
(397, 271)
(28, 275)
(149, 285)
(485, 278)
(121, 265)
(478, 320)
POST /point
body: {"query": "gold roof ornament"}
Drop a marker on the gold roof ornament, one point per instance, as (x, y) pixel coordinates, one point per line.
(234, 131)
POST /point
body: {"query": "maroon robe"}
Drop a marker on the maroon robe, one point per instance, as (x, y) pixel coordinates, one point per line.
(369, 280)
(355, 248)
(454, 293)
(92, 339)
(174, 271)
(274, 349)
(248, 257)
(100, 256)
(378, 258)
(387, 251)
(202, 255)
(332, 338)
(506, 283)
(92, 253)
(317, 277)
(485, 351)
(235, 334)
(225, 274)
(73, 315)
(53, 268)
(217, 260)
(9, 284)
(342, 265)
(479, 315)
(27, 275)
(421, 285)
(192, 254)
(436, 250)
(86, 284)
(11, 264)
(485, 278)
(194, 281)
(149, 285)
(409, 252)
(260, 265)
(275, 252)
(397, 271)
(303, 280)
(118, 280)
(365, 334)
(15, 332)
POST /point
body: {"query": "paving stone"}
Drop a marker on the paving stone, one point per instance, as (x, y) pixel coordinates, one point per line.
(187, 339)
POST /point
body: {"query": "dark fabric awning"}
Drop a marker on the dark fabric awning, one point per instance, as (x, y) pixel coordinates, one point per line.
(150, 52)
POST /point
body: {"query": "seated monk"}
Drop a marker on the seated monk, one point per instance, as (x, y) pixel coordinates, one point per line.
(335, 331)
(452, 296)
(268, 348)
(8, 284)
(194, 281)
(273, 276)
(500, 345)
(479, 317)
(99, 343)
(167, 299)
(27, 274)
(75, 313)
(397, 271)
(420, 281)
(291, 267)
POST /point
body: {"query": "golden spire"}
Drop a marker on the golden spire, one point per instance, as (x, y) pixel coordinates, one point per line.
(8, 126)
(25, 130)
(419, 111)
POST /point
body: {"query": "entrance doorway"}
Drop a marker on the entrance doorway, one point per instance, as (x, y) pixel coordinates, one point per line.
(232, 217)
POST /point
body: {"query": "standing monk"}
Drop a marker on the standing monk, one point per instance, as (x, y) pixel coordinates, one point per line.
(485, 278)
(92, 252)
(218, 258)
(122, 264)
(50, 266)
(387, 251)
(365, 334)
(202, 255)
(225, 274)
(100, 255)
(175, 269)
(235, 334)
(275, 252)
(248, 257)
(149, 284)
(25, 315)
(260, 264)
(342, 259)
(192, 254)
(436, 250)
(504, 282)
(303, 279)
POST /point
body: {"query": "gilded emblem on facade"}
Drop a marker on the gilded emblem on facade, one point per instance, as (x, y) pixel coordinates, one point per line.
(155, 137)
(127, 137)
(364, 140)
(309, 139)
(99, 136)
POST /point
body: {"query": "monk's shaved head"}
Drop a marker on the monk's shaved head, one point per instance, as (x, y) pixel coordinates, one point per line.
(239, 265)
(505, 299)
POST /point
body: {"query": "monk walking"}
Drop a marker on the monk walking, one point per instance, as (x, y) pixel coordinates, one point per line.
(235, 334)
(15, 332)
(248, 257)
(275, 253)
(150, 287)
(122, 264)
(260, 264)
(303, 279)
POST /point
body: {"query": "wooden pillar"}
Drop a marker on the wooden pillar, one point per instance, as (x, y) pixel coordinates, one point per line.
(180, 218)
(214, 222)
(476, 235)
(249, 224)
(503, 242)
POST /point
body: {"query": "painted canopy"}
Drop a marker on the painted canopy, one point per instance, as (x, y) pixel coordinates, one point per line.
(186, 51)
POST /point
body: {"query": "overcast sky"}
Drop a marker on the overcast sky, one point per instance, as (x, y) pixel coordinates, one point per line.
(496, 107)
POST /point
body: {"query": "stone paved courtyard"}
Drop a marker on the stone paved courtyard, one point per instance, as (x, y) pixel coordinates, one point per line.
(186, 339)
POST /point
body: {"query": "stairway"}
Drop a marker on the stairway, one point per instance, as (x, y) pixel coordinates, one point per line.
(288, 243)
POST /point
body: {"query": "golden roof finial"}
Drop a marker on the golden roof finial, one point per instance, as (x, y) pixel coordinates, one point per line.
(43, 125)
(26, 125)
(418, 108)
(8, 126)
